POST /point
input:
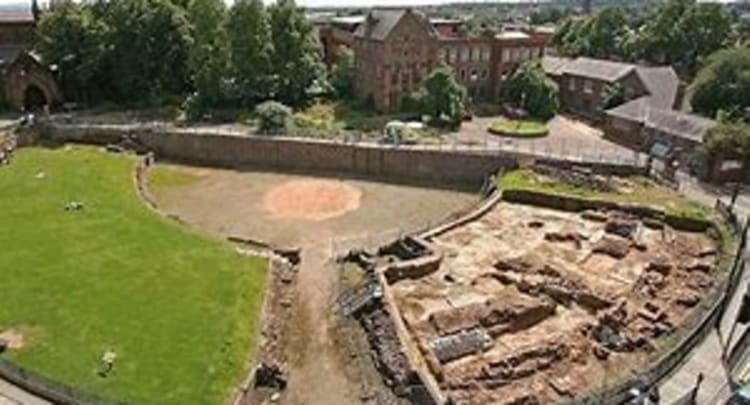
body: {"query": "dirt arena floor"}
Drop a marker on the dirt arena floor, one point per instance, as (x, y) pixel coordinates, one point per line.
(309, 212)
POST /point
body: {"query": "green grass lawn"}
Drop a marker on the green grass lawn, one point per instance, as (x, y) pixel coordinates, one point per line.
(640, 191)
(181, 310)
(518, 128)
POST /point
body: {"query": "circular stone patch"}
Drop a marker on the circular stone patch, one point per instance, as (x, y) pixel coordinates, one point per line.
(312, 200)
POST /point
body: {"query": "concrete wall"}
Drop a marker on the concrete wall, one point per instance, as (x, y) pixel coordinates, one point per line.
(465, 167)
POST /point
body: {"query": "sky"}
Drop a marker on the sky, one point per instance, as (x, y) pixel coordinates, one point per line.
(361, 3)
(318, 3)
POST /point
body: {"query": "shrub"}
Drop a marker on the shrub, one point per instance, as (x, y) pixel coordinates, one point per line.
(274, 118)
(518, 128)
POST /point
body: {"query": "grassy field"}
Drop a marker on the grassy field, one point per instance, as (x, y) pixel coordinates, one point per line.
(641, 190)
(518, 128)
(180, 310)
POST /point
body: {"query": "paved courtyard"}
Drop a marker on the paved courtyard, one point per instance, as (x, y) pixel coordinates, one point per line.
(567, 137)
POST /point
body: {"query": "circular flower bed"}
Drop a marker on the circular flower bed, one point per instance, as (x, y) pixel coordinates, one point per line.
(518, 128)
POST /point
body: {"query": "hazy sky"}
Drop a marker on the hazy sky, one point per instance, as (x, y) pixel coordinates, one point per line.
(314, 3)
(364, 3)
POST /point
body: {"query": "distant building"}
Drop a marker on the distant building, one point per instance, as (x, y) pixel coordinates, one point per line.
(395, 50)
(26, 82)
(649, 119)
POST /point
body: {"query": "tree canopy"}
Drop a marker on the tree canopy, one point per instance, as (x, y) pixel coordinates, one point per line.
(135, 52)
(443, 98)
(531, 89)
(676, 32)
(723, 83)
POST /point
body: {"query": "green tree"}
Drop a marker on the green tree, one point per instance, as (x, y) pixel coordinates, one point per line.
(680, 32)
(249, 33)
(209, 55)
(531, 89)
(599, 36)
(613, 95)
(147, 50)
(723, 83)
(605, 33)
(728, 140)
(297, 59)
(443, 98)
(342, 74)
(274, 118)
(70, 36)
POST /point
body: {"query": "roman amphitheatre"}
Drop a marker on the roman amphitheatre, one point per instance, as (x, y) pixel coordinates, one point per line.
(144, 268)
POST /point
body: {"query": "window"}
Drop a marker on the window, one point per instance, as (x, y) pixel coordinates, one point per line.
(572, 84)
(505, 57)
(463, 74)
(474, 75)
(452, 55)
(588, 87)
(394, 78)
(485, 55)
(465, 55)
(484, 74)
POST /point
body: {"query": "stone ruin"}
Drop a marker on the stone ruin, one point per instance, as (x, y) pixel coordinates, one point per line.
(271, 372)
(8, 145)
(577, 176)
(532, 323)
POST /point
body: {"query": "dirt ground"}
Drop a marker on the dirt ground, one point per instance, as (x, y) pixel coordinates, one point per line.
(271, 207)
(543, 285)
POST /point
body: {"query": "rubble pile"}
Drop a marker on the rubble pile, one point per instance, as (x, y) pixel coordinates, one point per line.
(278, 307)
(544, 280)
(495, 317)
(7, 147)
(579, 177)
(389, 357)
(491, 373)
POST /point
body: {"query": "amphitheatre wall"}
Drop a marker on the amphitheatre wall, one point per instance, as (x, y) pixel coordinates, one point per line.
(458, 166)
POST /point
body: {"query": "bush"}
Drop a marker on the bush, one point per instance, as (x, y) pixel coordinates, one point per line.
(274, 118)
(518, 128)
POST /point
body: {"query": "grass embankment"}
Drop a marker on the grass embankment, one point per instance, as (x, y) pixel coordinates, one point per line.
(639, 191)
(518, 128)
(180, 310)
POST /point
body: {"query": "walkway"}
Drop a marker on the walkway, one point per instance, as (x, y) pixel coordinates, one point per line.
(706, 357)
(12, 395)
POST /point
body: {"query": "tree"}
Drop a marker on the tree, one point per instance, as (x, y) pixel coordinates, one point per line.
(599, 36)
(342, 74)
(209, 55)
(70, 36)
(273, 117)
(297, 56)
(728, 140)
(723, 83)
(680, 32)
(613, 95)
(443, 97)
(605, 33)
(147, 49)
(531, 89)
(249, 32)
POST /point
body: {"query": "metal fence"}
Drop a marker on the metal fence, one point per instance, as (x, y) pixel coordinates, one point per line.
(574, 150)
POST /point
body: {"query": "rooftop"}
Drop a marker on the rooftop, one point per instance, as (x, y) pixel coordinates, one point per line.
(600, 69)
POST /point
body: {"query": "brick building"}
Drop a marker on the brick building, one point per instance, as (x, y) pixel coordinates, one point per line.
(25, 81)
(395, 49)
(650, 119)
